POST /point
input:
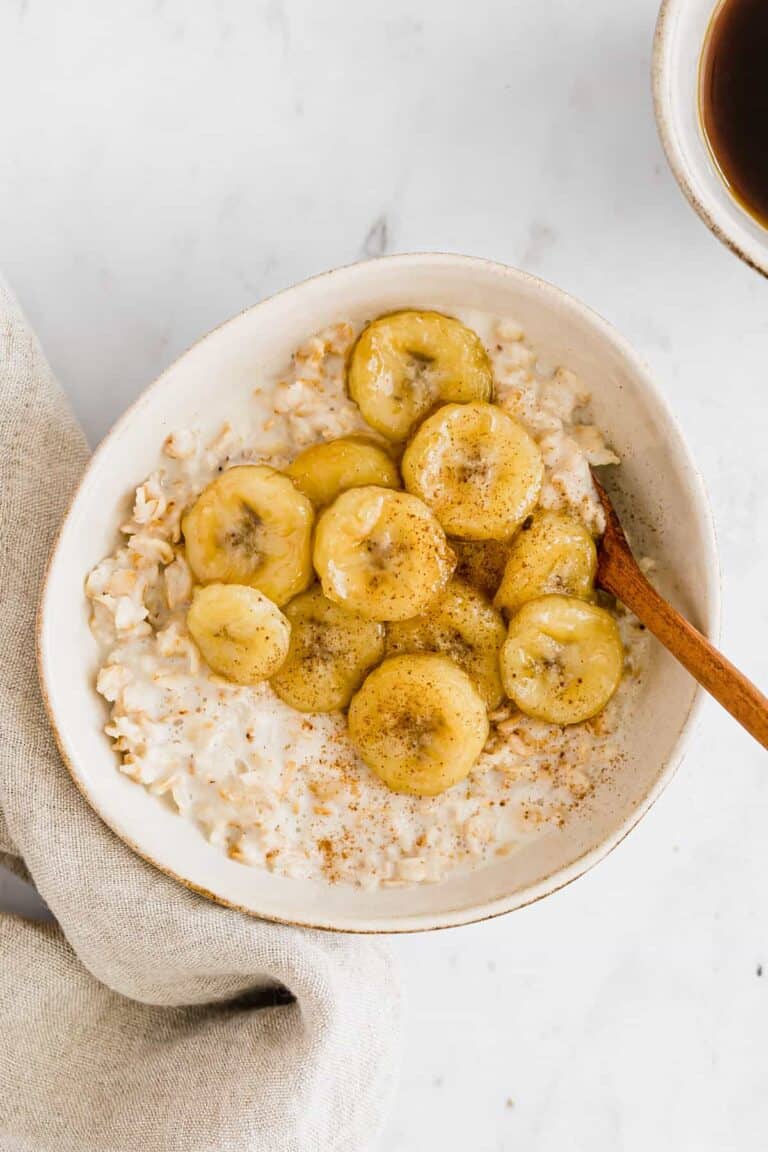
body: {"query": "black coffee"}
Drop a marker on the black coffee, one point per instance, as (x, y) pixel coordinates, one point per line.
(734, 100)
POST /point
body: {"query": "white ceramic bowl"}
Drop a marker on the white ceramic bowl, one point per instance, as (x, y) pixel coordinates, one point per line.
(680, 34)
(663, 500)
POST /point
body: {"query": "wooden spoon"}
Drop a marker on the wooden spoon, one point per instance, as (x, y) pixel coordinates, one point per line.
(619, 573)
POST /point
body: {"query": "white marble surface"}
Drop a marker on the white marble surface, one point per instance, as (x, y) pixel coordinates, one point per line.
(163, 165)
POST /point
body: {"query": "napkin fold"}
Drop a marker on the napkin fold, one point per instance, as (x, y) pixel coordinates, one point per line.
(147, 1018)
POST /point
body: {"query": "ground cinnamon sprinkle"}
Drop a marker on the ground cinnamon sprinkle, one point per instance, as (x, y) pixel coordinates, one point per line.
(307, 806)
(326, 848)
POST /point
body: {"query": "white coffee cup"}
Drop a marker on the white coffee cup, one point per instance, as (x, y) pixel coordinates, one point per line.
(681, 32)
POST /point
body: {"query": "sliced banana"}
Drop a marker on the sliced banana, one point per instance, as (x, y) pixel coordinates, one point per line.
(405, 363)
(418, 723)
(554, 553)
(461, 624)
(240, 632)
(481, 563)
(562, 659)
(477, 469)
(331, 650)
(323, 471)
(381, 553)
(251, 526)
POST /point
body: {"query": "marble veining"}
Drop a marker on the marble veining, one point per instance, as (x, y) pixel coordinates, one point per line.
(377, 241)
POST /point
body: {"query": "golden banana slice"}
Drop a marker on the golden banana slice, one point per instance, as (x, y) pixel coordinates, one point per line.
(481, 563)
(459, 623)
(477, 469)
(405, 363)
(381, 553)
(418, 723)
(251, 526)
(554, 553)
(240, 632)
(323, 471)
(562, 659)
(331, 651)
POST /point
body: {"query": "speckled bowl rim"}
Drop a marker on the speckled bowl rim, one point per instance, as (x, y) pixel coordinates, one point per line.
(560, 877)
(671, 147)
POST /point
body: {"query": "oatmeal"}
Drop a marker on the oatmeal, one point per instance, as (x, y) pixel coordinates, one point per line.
(285, 789)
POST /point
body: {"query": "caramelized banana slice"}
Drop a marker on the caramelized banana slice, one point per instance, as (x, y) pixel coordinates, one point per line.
(418, 723)
(405, 363)
(555, 553)
(323, 471)
(481, 563)
(241, 634)
(461, 624)
(562, 659)
(477, 469)
(331, 651)
(251, 526)
(381, 553)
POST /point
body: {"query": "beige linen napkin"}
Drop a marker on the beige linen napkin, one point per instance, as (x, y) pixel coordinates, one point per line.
(150, 1019)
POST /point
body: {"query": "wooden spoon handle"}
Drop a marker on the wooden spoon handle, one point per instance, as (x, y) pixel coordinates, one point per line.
(728, 686)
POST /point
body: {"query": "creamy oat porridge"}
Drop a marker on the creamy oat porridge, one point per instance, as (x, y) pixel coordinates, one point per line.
(313, 793)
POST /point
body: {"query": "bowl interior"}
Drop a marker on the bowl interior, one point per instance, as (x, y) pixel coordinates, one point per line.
(659, 492)
(680, 36)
